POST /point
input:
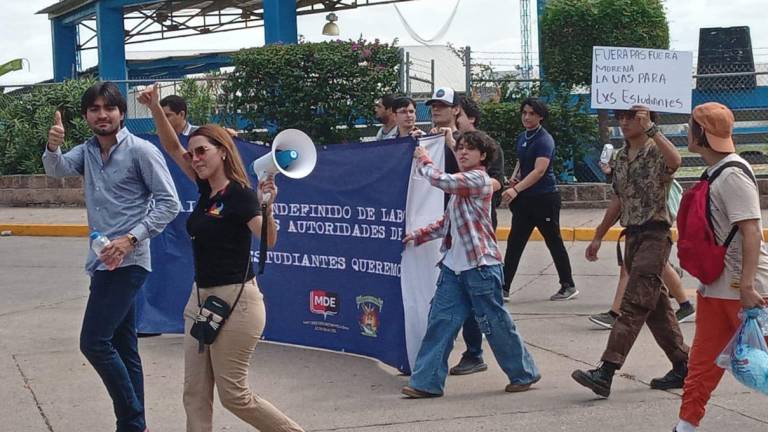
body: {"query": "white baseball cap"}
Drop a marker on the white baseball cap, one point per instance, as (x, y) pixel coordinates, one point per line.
(445, 95)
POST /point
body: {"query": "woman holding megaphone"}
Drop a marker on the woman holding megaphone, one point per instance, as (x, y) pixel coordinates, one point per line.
(225, 315)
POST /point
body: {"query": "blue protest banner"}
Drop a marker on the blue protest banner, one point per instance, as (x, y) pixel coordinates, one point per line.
(333, 279)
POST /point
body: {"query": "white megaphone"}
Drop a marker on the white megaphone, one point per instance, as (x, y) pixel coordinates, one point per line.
(293, 154)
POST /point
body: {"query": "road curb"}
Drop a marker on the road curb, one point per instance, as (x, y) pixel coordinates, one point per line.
(45, 230)
(502, 233)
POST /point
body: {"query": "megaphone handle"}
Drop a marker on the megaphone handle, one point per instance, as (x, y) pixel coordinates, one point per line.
(265, 198)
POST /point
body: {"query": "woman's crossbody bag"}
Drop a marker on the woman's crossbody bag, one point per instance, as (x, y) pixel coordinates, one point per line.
(212, 315)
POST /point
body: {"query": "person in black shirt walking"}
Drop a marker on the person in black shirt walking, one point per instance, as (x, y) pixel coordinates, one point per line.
(535, 201)
(226, 215)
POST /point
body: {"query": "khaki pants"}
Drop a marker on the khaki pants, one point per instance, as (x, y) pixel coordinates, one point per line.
(225, 364)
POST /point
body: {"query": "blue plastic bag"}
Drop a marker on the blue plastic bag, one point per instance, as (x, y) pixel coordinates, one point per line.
(746, 355)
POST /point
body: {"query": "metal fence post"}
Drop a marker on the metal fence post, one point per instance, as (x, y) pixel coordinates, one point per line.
(408, 74)
(468, 70)
(432, 75)
(401, 72)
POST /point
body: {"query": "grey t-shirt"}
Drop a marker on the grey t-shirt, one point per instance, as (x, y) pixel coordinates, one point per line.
(386, 134)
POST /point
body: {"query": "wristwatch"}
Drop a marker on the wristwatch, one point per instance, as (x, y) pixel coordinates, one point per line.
(133, 239)
(652, 131)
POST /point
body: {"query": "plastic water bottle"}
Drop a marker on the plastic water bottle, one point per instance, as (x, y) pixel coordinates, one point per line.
(606, 154)
(98, 242)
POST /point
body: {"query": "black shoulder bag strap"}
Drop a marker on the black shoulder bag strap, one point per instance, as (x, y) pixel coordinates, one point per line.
(710, 179)
(263, 238)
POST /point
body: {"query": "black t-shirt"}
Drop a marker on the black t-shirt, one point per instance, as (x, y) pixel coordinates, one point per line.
(221, 239)
(451, 165)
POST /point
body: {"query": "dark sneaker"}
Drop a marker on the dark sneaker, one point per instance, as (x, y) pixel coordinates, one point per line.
(604, 320)
(685, 313)
(566, 292)
(413, 393)
(598, 380)
(505, 294)
(517, 388)
(672, 380)
(469, 365)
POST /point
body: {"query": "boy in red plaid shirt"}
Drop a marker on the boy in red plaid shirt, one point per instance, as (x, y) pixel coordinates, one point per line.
(471, 273)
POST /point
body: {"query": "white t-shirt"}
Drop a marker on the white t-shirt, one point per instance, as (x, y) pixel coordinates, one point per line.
(733, 198)
(455, 258)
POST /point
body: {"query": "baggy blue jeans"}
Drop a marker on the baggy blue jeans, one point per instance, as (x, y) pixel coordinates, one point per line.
(108, 340)
(457, 295)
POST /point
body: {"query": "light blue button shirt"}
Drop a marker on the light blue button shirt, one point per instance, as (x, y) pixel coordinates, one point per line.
(130, 192)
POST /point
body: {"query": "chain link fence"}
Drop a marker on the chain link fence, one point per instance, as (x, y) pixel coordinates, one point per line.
(489, 76)
(203, 94)
(423, 68)
(742, 87)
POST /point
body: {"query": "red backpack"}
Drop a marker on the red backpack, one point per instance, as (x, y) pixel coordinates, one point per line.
(697, 247)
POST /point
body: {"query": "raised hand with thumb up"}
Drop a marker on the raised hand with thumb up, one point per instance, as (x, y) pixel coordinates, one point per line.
(150, 96)
(56, 132)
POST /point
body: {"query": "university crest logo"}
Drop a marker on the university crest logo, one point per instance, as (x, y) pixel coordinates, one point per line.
(369, 308)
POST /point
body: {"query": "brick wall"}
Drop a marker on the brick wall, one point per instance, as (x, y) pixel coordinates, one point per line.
(598, 195)
(43, 191)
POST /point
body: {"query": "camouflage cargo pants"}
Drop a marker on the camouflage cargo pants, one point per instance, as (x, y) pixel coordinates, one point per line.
(645, 300)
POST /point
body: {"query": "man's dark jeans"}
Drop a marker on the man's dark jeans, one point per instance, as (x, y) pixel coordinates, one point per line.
(108, 341)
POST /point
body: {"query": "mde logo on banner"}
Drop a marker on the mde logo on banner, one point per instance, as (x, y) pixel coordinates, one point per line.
(323, 303)
(658, 79)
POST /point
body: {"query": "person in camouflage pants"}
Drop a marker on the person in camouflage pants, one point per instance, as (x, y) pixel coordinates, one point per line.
(643, 174)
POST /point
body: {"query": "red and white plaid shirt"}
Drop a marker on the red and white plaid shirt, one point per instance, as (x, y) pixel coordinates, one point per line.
(469, 208)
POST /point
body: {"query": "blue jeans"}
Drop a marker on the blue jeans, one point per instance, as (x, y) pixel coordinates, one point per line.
(478, 290)
(108, 341)
(473, 337)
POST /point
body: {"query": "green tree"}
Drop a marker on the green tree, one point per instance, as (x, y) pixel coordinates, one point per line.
(569, 123)
(201, 96)
(324, 89)
(26, 116)
(570, 28)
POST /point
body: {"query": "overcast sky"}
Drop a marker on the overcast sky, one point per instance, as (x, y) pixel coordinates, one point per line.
(485, 25)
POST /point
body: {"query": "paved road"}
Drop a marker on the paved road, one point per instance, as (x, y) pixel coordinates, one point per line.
(47, 385)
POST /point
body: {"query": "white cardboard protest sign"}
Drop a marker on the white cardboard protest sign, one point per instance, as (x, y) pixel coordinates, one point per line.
(658, 79)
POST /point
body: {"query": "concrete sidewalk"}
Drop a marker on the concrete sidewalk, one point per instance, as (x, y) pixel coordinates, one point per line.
(47, 385)
(72, 222)
(576, 224)
(77, 216)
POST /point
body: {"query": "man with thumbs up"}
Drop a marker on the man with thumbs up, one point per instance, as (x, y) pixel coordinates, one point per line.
(130, 197)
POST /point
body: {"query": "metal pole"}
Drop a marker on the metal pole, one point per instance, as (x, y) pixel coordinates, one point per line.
(408, 74)
(432, 75)
(401, 72)
(468, 70)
